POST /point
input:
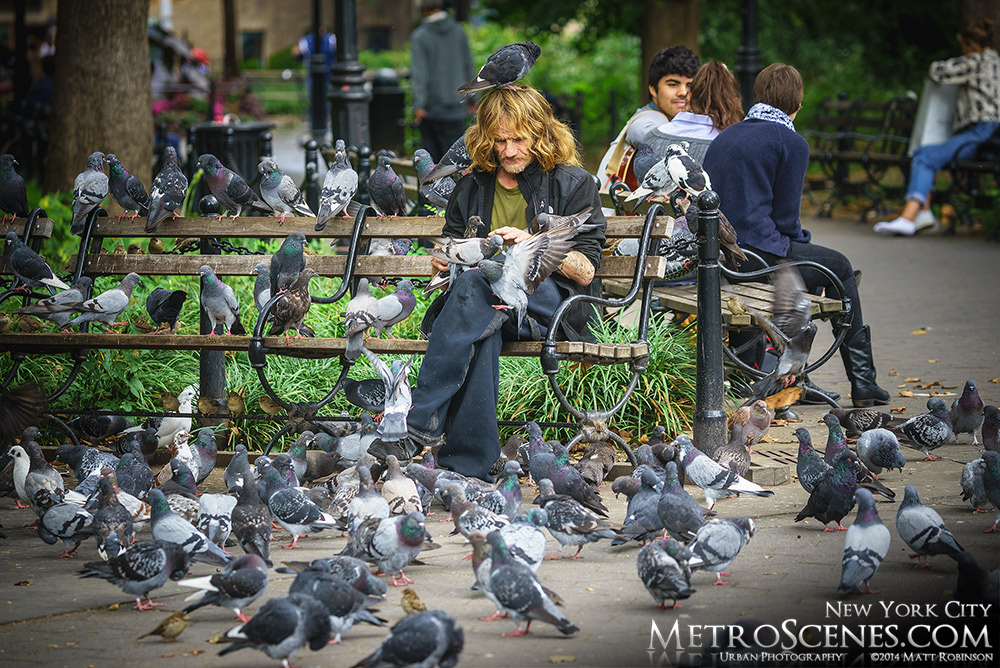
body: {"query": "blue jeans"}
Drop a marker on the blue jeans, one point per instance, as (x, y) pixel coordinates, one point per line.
(927, 160)
(459, 380)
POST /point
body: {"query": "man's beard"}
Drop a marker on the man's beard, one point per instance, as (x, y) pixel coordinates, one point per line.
(514, 166)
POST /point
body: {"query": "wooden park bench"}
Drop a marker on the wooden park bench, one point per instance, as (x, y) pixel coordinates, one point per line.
(636, 271)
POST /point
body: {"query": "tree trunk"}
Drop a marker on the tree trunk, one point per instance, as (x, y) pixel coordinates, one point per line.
(666, 23)
(100, 90)
(231, 67)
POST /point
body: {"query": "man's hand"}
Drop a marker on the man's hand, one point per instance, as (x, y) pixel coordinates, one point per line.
(437, 264)
(511, 235)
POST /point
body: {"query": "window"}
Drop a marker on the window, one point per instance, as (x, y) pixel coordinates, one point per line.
(253, 49)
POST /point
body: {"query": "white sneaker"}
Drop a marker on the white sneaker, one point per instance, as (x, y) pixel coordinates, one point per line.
(899, 226)
(925, 220)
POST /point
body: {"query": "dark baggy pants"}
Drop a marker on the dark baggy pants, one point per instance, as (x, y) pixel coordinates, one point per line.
(458, 384)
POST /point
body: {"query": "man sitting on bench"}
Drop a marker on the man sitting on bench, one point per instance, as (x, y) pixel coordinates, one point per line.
(524, 161)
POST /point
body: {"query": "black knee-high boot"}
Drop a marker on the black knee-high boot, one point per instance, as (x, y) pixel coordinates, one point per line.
(860, 368)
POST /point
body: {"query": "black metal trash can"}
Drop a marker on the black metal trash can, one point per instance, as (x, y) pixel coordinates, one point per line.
(239, 146)
(387, 113)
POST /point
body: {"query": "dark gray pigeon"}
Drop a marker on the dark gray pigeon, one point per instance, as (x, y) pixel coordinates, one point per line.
(345, 604)
(991, 485)
(171, 527)
(923, 530)
(836, 444)
(519, 593)
(287, 263)
(368, 394)
(791, 332)
(362, 310)
(975, 583)
(89, 190)
(169, 190)
(218, 300)
(386, 189)
(103, 309)
(84, 460)
(111, 517)
(809, 467)
(252, 521)
(339, 187)
(293, 510)
(238, 469)
(833, 496)
(461, 254)
(280, 192)
(967, 412)
(456, 159)
(390, 543)
(928, 431)
(351, 570)
(663, 575)
(425, 639)
(13, 199)
(59, 307)
(262, 286)
(438, 191)
(717, 543)
(879, 449)
(164, 306)
(865, 546)
(126, 188)
(991, 429)
(29, 267)
(141, 568)
(642, 519)
(570, 522)
(505, 67)
(678, 511)
(236, 586)
(528, 263)
(67, 522)
(229, 187)
(282, 627)
(973, 486)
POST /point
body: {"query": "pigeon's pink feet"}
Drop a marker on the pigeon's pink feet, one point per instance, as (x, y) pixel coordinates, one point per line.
(826, 528)
(501, 307)
(869, 590)
(979, 510)
(68, 554)
(718, 580)
(150, 604)
(992, 529)
(31, 525)
(293, 545)
(495, 616)
(243, 618)
(18, 504)
(841, 527)
(664, 606)
(518, 632)
(135, 214)
(466, 557)
(931, 458)
(554, 557)
(405, 580)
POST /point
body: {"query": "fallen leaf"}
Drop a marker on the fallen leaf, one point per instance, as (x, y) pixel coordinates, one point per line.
(561, 658)
(898, 409)
(906, 393)
(589, 588)
(994, 380)
(779, 423)
(51, 646)
(893, 372)
(168, 656)
(899, 386)
(23, 583)
(71, 644)
(929, 385)
(919, 332)
(196, 652)
(113, 606)
(215, 640)
(912, 380)
(932, 361)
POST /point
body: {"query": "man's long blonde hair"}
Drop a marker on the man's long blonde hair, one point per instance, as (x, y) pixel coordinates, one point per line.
(527, 113)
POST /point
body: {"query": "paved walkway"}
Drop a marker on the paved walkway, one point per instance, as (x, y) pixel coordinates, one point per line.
(787, 575)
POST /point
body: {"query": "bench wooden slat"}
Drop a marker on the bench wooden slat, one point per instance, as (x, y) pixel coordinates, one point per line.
(301, 347)
(43, 227)
(392, 266)
(268, 228)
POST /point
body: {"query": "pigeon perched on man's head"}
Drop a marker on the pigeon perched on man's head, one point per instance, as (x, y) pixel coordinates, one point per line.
(505, 67)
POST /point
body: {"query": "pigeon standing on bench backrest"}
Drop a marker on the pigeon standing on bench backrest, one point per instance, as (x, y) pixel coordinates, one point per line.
(714, 480)
(386, 189)
(126, 189)
(280, 192)
(967, 412)
(29, 267)
(107, 306)
(89, 190)
(168, 191)
(339, 187)
(229, 187)
(13, 197)
(58, 308)
(438, 191)
(218, 300)
(455, 160)
(394, 308)
(292, 306)
(505, 67)
(287, 263)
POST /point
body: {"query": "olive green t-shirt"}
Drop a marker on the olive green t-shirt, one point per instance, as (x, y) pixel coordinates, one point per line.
(508, 208)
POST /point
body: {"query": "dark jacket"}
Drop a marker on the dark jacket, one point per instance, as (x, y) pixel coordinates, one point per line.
(566, 190)
(440, 62)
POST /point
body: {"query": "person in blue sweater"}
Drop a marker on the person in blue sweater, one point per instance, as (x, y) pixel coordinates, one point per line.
(758, 169)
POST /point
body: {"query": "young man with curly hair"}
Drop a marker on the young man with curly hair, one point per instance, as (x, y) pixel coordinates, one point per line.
(524, 161)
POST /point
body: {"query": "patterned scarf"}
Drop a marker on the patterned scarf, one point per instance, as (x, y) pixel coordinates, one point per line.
(766, 112)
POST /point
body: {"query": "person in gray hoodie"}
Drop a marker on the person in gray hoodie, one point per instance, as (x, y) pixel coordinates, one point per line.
(440, 62)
